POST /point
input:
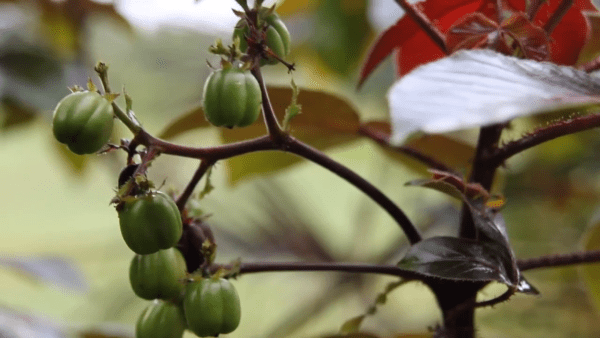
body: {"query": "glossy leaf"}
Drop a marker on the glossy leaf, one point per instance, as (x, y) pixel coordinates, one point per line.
(51, 270)
(492, 230)
(476, 88)
(459, 259)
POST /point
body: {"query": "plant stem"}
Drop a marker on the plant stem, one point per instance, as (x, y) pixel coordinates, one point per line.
(102, 71)
(557, 16)
(187, 192)
(552, 261)
(273, 127)
(213, 153)
(541, 135)
(533, 9)
(483, 173)
(391, 270)
(382, 139)
(423, 21)
(590, 66)
(301, 149)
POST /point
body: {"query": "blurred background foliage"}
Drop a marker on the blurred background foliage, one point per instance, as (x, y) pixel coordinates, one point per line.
(64, 266)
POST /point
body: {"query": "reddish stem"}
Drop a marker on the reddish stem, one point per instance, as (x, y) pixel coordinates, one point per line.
(187, 192)
(557, 16)
(423, 21)
(383, 139)
(562, 128)
(552, 261)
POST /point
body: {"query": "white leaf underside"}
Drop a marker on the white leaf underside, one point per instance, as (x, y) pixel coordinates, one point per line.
(481, 87)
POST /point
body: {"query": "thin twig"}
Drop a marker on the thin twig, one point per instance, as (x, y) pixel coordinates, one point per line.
(187, 192)
(392, 270)
(102, 71)
(383, 139)
(423, 21)
(557, 16)
(483, 173)
(534, 7)
(541, 135)
(314, 155)
(590, 66)
(552, 261)
(273, 127)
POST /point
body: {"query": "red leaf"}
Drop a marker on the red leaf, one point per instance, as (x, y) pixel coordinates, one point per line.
(441, 13)
(415, 48)
(572, 32)
(532, 39)
(470, 32)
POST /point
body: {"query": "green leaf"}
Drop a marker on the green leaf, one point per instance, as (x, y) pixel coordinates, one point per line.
(459, 259)
(293, 109)
(208, 187)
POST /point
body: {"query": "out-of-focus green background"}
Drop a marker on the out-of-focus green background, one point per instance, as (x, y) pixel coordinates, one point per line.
(64, 266)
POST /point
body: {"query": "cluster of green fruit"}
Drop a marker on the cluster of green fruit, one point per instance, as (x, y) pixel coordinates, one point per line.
(151, 226)
(150, 221)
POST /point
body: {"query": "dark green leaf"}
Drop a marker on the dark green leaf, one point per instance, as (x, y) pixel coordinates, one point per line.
(459, 259)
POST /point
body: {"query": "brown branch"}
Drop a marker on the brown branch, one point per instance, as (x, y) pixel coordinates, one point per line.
(273, 128)
(213, 153)
(541, 135)
(553, 261)
(423, 21)
(534, 7)
(314, 155)
(187, 192)
(391, 270)
(557, 16)
(590, 66)
(483, 173)
(383, 139)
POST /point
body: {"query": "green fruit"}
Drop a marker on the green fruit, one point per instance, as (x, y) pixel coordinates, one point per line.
(150, 222)
(161, 320)
(277, 37)
(232, 98)
(211, 307)
(83, 121)
(158, 275)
